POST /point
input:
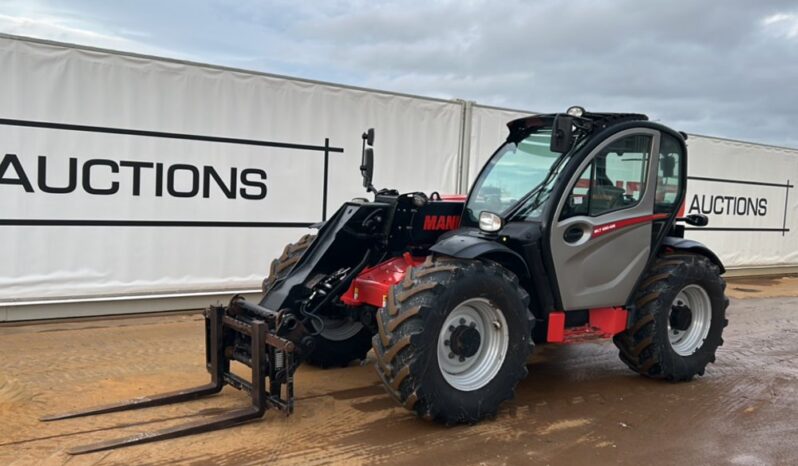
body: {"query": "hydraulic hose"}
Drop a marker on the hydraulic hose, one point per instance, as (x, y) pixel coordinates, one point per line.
(336, 290)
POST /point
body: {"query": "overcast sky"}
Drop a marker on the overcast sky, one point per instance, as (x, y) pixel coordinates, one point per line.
(722, 68)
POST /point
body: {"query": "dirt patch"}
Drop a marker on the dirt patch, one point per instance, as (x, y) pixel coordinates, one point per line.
(579, 405)
(762, 287)
(563, 425)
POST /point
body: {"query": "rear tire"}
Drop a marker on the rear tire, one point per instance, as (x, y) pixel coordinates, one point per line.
(429, 356)
(678, 320)
(341, 341)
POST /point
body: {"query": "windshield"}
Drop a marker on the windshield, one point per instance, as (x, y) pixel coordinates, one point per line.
(512, 172)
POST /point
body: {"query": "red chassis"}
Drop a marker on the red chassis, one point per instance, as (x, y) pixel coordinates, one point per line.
(373, 284)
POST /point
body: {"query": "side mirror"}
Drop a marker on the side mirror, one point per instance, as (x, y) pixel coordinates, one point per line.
(367, 167)
(368, 136)
(562, 136)
(668, 165)
(697, 220)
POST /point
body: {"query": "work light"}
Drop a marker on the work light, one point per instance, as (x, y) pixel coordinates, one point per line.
(490, 222)
(576, 111)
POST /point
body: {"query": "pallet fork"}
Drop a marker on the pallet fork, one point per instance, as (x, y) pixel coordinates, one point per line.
(268, 355)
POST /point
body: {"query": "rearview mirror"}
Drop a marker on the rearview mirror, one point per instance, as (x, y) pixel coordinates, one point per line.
(697, 220)
(369, 136)
(562, 136)
(367, 167)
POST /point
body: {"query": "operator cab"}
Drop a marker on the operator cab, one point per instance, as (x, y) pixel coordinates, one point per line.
(555, 196)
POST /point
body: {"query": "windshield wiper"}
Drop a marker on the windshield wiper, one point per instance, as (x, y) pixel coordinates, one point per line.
(536, 191)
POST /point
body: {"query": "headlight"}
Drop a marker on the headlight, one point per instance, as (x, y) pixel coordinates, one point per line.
(490, 222)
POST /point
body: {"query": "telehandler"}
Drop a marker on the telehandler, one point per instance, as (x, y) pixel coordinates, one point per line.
(570, 232)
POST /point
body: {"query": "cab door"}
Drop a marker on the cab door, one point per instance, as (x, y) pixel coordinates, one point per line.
(601, 231)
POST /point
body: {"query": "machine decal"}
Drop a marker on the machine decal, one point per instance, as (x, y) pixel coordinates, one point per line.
(441, 222)
(600, 230)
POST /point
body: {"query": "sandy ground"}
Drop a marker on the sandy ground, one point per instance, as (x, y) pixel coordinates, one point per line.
(762, 287)
(579, 404)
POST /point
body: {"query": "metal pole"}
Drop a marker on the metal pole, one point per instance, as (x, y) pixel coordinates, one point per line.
(326, 173)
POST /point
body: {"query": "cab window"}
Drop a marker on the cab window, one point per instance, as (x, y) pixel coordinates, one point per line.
(668, 180)
(615, 179)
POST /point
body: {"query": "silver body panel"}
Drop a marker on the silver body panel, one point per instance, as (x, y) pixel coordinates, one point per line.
(602, 271)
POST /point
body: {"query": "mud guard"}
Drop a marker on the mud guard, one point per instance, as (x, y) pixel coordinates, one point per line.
(692, 246)
(465, 245)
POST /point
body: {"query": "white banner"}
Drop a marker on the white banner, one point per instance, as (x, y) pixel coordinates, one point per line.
(748, 193)
(123, 175)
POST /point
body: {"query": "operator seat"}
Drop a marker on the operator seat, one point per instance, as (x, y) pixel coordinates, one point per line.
(605, 195)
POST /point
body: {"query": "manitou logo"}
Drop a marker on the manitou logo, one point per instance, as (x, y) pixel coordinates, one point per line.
(441, 222)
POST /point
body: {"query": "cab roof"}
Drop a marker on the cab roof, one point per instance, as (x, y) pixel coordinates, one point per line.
(593, 121)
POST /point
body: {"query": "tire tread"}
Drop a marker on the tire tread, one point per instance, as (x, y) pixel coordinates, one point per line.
(638, 345)
(401, 323)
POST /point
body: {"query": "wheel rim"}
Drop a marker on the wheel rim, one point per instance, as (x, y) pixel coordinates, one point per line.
(468, 362)
(338, 329)
(687, 340)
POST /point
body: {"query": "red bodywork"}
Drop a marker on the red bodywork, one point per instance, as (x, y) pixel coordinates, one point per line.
(453, 197)
(373, 284)
(605, 322)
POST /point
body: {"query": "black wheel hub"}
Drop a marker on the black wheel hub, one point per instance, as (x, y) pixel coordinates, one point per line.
(465, 341)
(681, 317)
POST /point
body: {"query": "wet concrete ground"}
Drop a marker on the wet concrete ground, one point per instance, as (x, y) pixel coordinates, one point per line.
(579, 405)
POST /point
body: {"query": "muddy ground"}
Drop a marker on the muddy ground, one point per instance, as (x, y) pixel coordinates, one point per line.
(579, 405)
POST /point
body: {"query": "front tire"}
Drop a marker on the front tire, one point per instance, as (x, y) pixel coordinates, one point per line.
(453, 339)
(678, 320)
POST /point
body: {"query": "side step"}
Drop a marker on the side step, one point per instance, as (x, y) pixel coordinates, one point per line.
(220, 330)
(603, 323)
